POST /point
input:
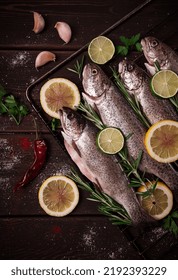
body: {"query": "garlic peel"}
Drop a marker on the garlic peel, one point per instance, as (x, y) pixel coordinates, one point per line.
(39, 22)
(64, 31)
(43, 58)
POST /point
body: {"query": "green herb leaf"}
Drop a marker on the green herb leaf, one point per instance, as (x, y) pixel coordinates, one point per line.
(122, 50)
(125, 40)
(78, 67)
(174, 214)
(138, 160)
(2, 92)
(134, 39)
(131, 100)
(138, 47)
(128, 44)
(10, 106)
(55, 124)
(170, 224)
(107, 206)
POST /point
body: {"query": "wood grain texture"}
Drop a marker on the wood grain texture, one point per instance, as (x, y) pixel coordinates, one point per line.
(26, 232)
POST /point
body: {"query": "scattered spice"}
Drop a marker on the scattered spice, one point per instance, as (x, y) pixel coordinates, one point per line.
(56, 229)
(25, 143)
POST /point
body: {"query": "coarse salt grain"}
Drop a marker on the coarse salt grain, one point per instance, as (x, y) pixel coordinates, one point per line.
(20, 59)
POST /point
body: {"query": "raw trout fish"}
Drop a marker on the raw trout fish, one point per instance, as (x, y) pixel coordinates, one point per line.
(114, 111)
(137, 83)
(101, 169)
(155, 50)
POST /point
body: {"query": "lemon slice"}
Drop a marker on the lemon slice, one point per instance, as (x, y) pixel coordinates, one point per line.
(161, 141)
(159, 204)
(110, 140)
(57, 93)
(165, 83)
(101, 49)
(58, 196)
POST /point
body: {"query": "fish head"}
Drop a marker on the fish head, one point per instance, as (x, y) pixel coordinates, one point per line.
(72, 123)
(154, 50)
(131, 75)
(95, 82)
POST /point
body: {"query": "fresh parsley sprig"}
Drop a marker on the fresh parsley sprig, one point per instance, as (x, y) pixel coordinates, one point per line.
(10, 106)
(129, 44)
(170, 224)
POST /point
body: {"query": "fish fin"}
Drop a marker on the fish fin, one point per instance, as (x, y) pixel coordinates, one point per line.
(66, 138)
(71, 143)
(88, 99)
(151, 69)
(97, 184)
(80, 162)
(91, 102)
(76, 148)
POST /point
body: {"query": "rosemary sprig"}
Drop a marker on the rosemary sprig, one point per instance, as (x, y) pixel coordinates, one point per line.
(131, 100)
(91, 115)
(78, 67)
(109, 207)
(129, 166)
(174, 101)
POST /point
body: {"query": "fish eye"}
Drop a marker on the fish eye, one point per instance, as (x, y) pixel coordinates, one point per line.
(154, 43)
(130, 67)
(94, 71)
(70, 116)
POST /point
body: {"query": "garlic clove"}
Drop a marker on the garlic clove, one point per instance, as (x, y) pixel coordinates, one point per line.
(39, 22)
(43, 58)
(64, 31)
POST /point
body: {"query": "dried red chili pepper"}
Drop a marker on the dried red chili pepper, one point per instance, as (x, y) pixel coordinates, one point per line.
(40, 151)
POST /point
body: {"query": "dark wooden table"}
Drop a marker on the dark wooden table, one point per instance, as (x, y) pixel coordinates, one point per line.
(26, 232)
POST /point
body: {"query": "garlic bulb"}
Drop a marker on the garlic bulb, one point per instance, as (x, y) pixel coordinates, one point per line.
(64, 31)
(39, 22)
(43, 58)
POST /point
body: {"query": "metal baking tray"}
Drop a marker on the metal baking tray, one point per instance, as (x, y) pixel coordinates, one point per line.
(32, 95)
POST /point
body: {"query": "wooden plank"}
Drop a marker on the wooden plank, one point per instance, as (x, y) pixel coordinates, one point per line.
(16, 156)
(63, 238)
(87, 19)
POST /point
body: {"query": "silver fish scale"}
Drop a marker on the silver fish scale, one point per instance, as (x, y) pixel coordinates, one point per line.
(115, 111)
(109, 175)
(138, 85)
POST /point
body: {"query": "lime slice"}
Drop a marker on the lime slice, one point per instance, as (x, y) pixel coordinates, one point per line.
(165, 83)
(110, 140)
(57, 93)
(101, 49)
(58, 196)
(160, 203)
(161, 141)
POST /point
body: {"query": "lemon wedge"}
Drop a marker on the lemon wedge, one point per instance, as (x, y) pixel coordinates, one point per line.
(160, 203)
(165, 83)
(58, 196)
(161, 141)
(57, 93)
(110, 140)
(101, 49)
